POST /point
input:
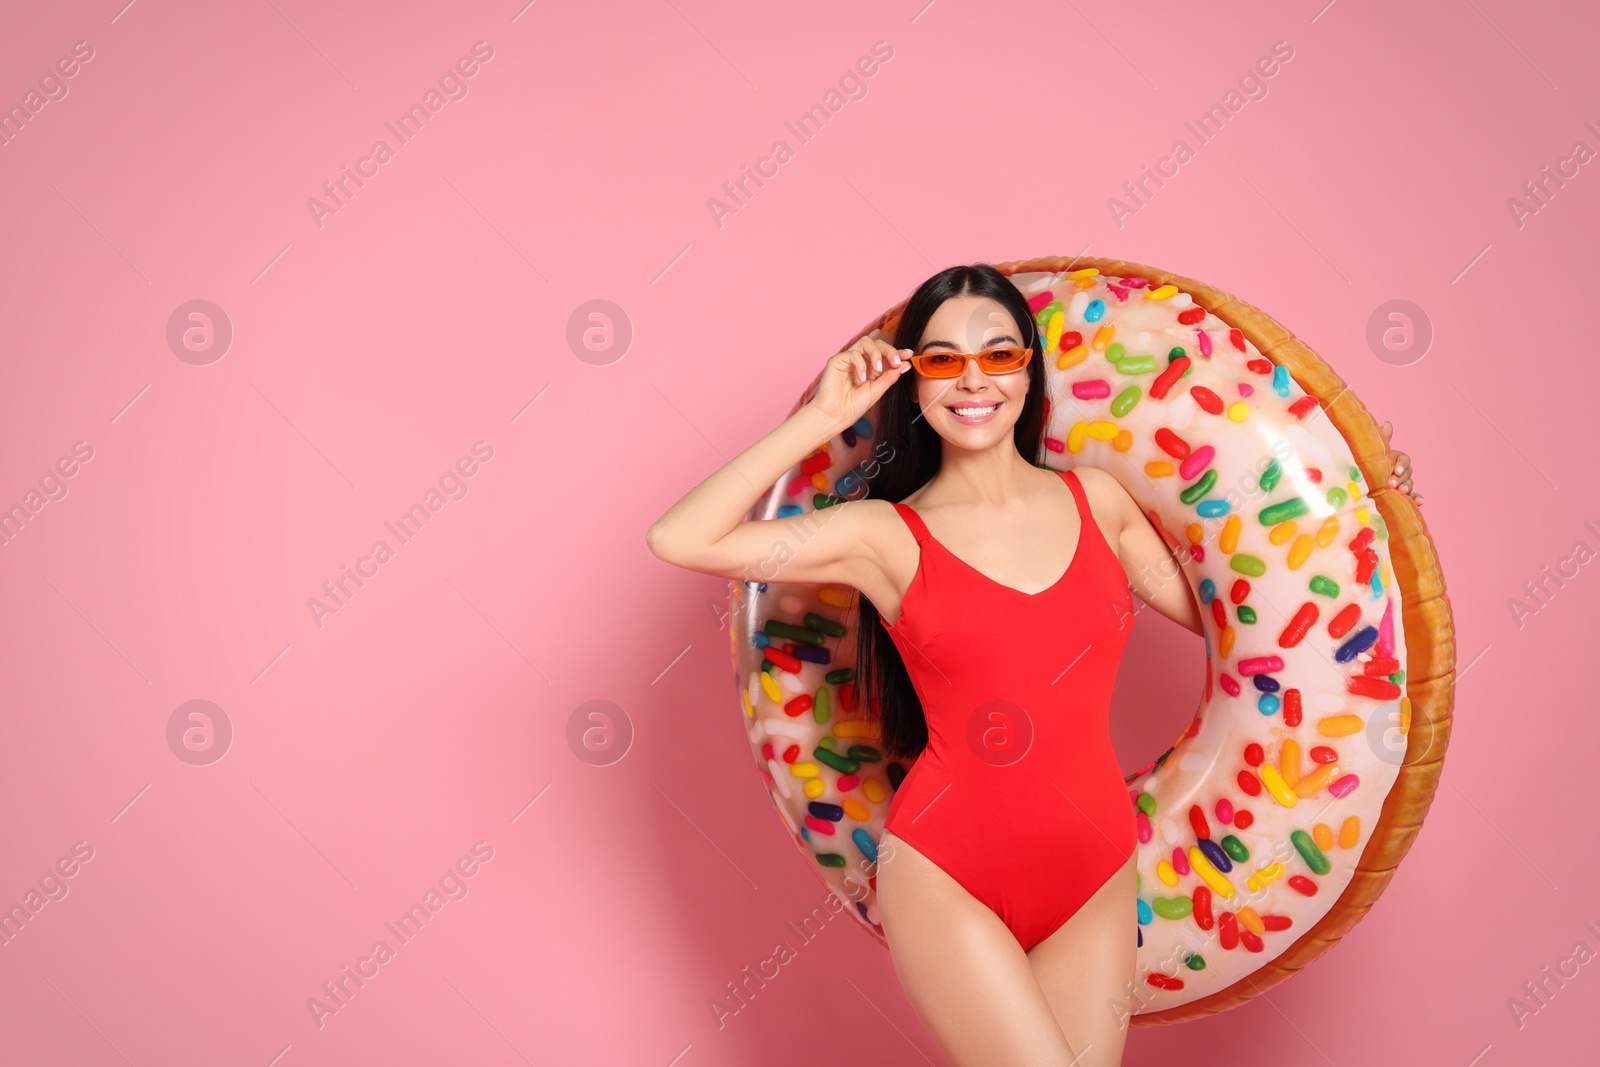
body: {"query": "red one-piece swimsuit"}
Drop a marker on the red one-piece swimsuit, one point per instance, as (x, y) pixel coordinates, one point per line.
(1018, 795)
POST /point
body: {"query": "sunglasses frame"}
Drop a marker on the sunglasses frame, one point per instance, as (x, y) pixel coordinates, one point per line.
(920, 361)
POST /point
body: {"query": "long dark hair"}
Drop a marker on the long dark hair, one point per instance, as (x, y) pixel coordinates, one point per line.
(909, 452)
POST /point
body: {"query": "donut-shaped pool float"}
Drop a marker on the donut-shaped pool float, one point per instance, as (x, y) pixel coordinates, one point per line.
(1275, 821)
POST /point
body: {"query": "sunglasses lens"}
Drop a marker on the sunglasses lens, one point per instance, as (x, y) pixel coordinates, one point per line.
(1000, 360)
(991, 361)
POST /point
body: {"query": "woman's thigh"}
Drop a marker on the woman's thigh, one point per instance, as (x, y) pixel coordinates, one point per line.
(961, 967)
(1085, 970)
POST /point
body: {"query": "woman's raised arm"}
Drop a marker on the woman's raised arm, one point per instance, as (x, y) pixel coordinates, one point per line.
(703, 531)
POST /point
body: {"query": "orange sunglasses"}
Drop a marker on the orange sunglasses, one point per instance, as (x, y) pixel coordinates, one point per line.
(954, 364)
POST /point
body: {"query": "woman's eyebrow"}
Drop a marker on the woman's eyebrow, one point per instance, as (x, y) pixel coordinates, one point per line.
(953, 347)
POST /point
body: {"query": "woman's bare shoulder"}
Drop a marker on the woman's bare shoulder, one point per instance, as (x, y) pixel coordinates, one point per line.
(1103, 482)
(1108, 498)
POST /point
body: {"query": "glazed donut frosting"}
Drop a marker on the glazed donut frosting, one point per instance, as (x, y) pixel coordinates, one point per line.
(1252, 823)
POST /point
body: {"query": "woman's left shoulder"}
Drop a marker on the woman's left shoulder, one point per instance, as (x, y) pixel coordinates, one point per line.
(1101, 483)
(1107, 498)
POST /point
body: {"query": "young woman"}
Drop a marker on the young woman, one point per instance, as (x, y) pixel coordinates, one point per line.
(1005, 876)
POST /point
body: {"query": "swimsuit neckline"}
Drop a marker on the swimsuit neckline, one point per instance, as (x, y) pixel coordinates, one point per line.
(1077, 551)
(1077, 554)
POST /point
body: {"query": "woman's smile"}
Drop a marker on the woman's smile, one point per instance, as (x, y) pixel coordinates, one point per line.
(974, 413)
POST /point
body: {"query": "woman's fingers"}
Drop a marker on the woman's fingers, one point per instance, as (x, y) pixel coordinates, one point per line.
(869, 359)
(885, 357)
(882, 355)
(872, 356)
(888, 378)
(1401, 477)
(854, 367)
(1402, 473)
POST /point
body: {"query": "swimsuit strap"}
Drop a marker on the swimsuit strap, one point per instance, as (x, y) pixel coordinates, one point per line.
(918, 528)
(1071, 478)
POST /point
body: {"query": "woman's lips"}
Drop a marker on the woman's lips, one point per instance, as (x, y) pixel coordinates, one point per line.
(992, 408)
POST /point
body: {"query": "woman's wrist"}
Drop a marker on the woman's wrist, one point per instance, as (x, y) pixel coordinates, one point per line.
(717, 505)
(817, 424)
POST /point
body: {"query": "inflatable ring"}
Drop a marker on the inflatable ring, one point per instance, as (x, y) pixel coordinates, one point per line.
(1270, 827)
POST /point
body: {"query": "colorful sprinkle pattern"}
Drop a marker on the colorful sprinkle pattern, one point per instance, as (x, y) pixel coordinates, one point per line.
(1251, 825)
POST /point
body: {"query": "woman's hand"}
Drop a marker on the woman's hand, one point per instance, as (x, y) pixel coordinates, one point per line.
(706, 530)
(854, 379)
(1401, 477)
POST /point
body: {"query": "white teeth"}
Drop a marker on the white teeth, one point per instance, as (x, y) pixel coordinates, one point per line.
(975, 413)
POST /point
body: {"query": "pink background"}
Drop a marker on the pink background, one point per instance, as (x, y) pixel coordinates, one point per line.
(369, 353)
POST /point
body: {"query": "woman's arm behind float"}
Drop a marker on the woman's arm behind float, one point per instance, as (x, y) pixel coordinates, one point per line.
(705, 531)
(1152, 570)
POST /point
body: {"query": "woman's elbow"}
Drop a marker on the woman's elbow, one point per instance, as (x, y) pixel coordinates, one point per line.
(674, 550)
(660, 545)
